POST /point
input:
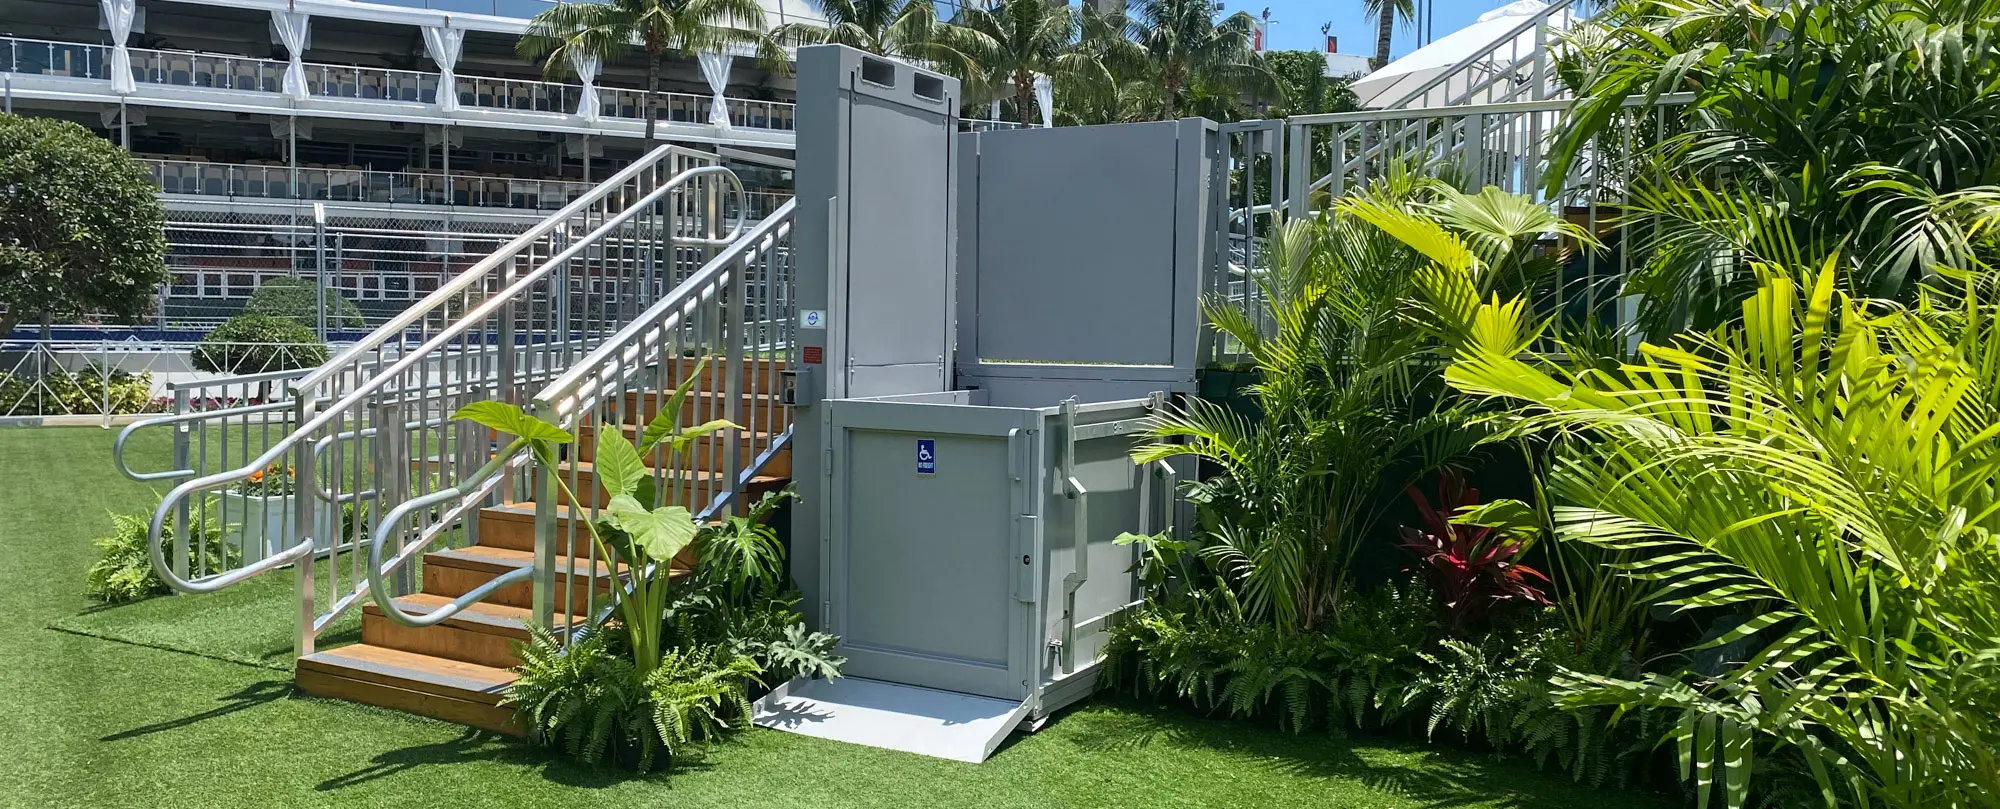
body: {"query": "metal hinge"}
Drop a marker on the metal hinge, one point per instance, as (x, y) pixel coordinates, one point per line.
(825, 615)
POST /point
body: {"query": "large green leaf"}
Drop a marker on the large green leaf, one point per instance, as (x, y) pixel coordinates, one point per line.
(667, 422)
(660, 533)
(512, 420)
(619, 468)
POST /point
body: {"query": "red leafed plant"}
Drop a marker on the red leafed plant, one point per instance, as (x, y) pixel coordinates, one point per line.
(1473, 569)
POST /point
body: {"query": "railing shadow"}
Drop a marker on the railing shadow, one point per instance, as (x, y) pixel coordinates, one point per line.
(251, 696)
(473, 744)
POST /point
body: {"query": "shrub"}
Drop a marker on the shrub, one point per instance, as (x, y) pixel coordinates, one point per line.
(297, 300)
(1473, 569)
(124, 568)
(590, 699)
(1201, 647)
(254, 344)
(86, 392)
(675, 662)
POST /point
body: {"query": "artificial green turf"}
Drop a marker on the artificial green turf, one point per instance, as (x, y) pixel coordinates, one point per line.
(92, 722)
(251, 623)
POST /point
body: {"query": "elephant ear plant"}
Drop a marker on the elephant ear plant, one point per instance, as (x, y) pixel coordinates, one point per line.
(677, 687)
(631, 528)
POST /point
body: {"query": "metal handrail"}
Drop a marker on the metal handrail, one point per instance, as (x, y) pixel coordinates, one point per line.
(361, 392)
(622, 353)
(569, 387)
(1539, 18)
(485, 267)
(118, 444)
(473, 490)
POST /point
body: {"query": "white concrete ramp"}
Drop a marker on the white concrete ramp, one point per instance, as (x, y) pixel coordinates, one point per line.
(926, 721)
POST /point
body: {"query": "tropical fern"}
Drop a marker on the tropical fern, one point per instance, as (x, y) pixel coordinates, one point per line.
(1826, 468)
(124, 567)
(697, 694)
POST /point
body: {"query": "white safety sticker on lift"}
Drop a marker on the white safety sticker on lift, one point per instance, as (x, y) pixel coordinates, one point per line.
(812, 319)
(926, 456)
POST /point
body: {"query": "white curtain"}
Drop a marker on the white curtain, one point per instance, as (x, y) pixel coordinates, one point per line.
(1045, 97)
(586, 68)
(715, 68)
(291, 28)
(118, 16)
(444, 45)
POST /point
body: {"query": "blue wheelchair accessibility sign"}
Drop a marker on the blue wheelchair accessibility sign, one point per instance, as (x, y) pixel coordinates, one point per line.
(926, 456)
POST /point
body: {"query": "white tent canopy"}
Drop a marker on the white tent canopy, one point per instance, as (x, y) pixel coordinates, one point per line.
(1488, 39)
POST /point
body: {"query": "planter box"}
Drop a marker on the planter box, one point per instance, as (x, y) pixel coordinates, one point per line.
(257, 524)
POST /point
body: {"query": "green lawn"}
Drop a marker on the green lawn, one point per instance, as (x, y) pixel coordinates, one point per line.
(194, 707)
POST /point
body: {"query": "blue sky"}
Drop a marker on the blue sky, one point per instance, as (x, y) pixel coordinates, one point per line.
(1295, 23)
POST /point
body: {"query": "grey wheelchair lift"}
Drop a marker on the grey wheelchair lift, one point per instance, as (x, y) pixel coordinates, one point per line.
(987, 321)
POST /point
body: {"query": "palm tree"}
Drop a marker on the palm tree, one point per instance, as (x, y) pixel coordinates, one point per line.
(1386, 13)
(905, 29)
(1815, 481)
(1825, 129)
(1031, 37)
(1190, 51)
(606, 30)
(1350, 396)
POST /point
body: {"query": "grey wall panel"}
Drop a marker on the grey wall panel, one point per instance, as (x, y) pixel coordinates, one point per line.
(1082, 253)
(1077, 255)
(898, 245)
(873, 234)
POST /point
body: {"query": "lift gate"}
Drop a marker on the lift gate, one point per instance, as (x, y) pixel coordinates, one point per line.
(960, 499)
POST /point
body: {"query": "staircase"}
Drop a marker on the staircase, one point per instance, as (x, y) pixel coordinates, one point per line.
(449, 547)
(459, 669)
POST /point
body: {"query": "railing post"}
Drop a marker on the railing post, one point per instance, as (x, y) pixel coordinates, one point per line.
(1336, 183)
(1298, 171)
(1474, 147)
(392, 472)
(104, 377)
(544, 600)
(306, 486)
(182, 461)
(732, 396)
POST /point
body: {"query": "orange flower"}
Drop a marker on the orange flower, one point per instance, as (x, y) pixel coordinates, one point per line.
(257, 476)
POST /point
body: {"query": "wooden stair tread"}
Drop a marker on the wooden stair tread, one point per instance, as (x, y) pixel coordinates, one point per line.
(525, 512)
(483, 616)
(412, 672)
(589, 467)
(489, 559)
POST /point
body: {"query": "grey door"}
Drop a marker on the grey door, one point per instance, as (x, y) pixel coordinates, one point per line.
(926, 543)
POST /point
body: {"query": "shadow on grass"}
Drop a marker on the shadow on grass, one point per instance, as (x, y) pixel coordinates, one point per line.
(1436, 775)
(478, 745)
(251, 696)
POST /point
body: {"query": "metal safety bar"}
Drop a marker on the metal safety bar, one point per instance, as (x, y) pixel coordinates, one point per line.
(1297, 167)
(732, 320)
(511, 321)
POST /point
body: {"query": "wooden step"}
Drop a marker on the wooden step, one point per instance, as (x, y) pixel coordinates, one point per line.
(682, 488)
(455, 572)
(513, 526)
(758, 375)
(758, 410)
(704, 455)
(455, 691)
(484, 633)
